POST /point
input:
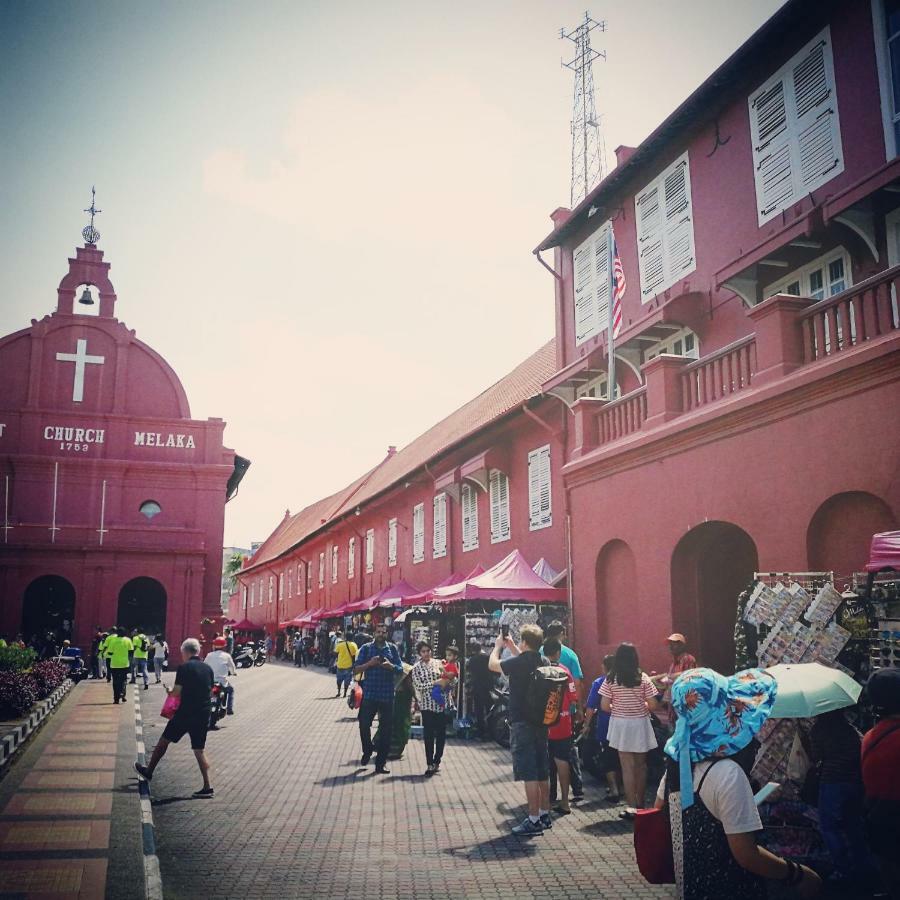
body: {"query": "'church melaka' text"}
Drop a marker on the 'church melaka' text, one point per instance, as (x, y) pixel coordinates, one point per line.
(155, 439)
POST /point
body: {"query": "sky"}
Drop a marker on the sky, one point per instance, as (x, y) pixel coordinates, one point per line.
(321, 214)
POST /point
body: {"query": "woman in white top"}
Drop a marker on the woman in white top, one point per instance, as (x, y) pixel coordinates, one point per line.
(160, 652)
(425, 674)
(628, 695)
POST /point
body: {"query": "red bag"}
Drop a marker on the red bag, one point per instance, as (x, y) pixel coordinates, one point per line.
(354, 698)
(170, 706)
(653, 845)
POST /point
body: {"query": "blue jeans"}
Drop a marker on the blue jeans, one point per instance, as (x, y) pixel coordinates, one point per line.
(384, 709)
(343, 678)
(140, 668)
(840, 820)
(229, 697)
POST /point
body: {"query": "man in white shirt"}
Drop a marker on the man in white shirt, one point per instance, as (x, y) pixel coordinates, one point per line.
(223, 665)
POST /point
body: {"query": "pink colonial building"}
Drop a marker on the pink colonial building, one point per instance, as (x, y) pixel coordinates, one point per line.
(481, 482)
(754, 426)
(113, 495)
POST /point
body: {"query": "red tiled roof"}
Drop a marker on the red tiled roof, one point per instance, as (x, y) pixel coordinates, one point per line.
(511, 391)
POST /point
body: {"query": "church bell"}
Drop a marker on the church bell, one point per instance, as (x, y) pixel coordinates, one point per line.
(86, 299)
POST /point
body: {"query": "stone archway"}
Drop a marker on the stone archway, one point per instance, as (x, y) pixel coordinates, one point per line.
(142, 605)
(616, 583)
(48, 605)
(841, 530)
(711, 565)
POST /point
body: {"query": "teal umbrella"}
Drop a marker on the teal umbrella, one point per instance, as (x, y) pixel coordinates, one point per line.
(810, 689)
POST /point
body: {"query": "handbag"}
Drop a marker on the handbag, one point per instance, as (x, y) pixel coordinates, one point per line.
(170, 706)
(653, 845)
(355, 695)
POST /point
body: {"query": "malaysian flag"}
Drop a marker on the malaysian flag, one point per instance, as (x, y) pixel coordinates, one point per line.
(618, 292)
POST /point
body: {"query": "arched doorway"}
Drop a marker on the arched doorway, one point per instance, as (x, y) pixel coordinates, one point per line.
(616, 580)
(142, 605)
(711, 565)
(841, 530)
(48, 606)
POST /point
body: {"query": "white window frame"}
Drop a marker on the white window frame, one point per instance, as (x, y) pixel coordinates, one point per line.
(540, 510)
(675, 226)
(243, 596)
(590, 285)
(290, 582)
(500, 523)
(351, 557)
(439, 526)
(252, 594)
(783, 145)
(335, 560)
(468, 505)
(370, 550)
(801, 277)
(271, 588)
(309, 577)
(392, 543)
(321, 568)
(892, 230)
(597, 388)
(675, 345)
(280, 586)
(418, 533)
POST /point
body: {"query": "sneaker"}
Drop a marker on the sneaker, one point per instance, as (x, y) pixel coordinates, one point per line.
(527, 828)
(146, 687)
(203, 793)
(116, 700)
(213, 728)
(143, 771)
(429, 771)
(365, 759)
(229, 712)
(577, 798)
(382, 770)
(562, 810)
(546, 821)
(437, 766)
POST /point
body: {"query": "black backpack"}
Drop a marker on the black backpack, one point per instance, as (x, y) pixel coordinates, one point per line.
(546, 694)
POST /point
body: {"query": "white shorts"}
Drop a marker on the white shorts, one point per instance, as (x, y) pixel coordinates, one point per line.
(631, 734)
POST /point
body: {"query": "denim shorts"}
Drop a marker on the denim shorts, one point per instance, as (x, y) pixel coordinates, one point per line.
(529, 751)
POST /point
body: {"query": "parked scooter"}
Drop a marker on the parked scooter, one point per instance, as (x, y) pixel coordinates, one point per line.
(217, 705)
(261, 656)
(245, 656)
(498, 717)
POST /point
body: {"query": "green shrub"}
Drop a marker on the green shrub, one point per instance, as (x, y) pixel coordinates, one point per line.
(15, 659)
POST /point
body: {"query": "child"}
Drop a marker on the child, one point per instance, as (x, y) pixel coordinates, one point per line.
(441, 693)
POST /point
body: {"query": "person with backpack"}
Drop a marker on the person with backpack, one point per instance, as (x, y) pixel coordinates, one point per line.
(533, 696)
(345, 652)
(560, 737)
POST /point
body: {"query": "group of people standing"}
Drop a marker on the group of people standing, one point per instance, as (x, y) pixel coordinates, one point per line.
(116, 654)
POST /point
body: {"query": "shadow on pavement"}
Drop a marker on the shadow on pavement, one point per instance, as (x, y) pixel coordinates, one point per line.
(608, 827)
(337, 780)
(506, 846)
(166, 801)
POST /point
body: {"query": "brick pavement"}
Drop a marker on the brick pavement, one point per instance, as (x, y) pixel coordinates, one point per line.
(295, 815)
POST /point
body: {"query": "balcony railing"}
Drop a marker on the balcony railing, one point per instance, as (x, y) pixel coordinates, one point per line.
(718, 375)
(623, 416)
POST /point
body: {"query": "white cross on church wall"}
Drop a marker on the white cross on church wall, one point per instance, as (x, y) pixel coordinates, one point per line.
(81, 359)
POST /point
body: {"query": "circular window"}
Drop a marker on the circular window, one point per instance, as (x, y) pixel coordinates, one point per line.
(150, 508)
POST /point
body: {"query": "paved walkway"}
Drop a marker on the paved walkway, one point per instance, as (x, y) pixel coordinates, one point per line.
(296, 816)
(70, 823)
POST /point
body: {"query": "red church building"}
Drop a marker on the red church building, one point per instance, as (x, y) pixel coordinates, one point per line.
(113, 496)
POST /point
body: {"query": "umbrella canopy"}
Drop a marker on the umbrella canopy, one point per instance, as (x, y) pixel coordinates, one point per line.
(510, 579)
(810, 689)
(884, 552)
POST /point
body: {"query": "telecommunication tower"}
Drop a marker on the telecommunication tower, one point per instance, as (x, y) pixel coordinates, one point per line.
(587, 145)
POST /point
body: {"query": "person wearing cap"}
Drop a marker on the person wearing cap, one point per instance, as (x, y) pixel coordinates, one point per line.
(880, 764)
(681, 662)
(222, 664)
(713, 813)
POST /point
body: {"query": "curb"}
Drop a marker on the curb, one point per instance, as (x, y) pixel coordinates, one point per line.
(13, 741)
(152, 877)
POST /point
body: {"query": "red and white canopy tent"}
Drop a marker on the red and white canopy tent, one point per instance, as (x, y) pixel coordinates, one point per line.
(247, 625)
(424, 598)
(510, 579)
(385, 598)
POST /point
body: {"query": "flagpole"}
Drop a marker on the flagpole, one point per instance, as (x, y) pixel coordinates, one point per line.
(611, 366)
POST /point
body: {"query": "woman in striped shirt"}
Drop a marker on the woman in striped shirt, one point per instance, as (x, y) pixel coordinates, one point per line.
(628, 695)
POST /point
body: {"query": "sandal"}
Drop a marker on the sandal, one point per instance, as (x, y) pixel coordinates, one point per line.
(562, 811)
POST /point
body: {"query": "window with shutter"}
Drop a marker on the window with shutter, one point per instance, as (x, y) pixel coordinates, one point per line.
(243, 596)
(281, 586)
(309, 578)
(271, 588)
(665, 229)
(370, 550)
(540, 513)
(795, 129)
(499, 495)
(469, 504)
(418, 547)
(334, 564)
(252, 595)
(439, 535)
(591, 261)
(322, 569)
(392, 542)
(351, 557)
(290, 581)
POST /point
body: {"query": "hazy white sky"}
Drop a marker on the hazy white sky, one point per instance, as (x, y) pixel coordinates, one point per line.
(321, 214)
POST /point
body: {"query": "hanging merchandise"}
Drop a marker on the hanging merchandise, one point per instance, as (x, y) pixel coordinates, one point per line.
(515, 615)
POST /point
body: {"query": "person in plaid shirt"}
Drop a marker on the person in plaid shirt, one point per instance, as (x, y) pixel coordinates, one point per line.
(379, 660)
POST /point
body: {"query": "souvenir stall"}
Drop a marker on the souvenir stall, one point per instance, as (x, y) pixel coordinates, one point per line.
(881, 590)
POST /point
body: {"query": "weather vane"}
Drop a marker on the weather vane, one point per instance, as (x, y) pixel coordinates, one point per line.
(89, 233)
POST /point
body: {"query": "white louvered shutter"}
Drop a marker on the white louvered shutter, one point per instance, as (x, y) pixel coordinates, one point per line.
(334, 564)
(678, 229)
(771, 140)
(322, 569)
(351, 557)
(418, 532)
(271, 588)
(499, 491)
(392, 542)
(290, 579)
(469, 503)
(370, 550)
(439, 535)
(601, 278)
(648, 213)
(539, 502)
(585, 301)
(243, 596)
(281, 586)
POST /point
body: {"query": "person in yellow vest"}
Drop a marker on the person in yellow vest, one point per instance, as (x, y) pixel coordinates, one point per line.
(119, 647)
(141, 652)
(107, 653)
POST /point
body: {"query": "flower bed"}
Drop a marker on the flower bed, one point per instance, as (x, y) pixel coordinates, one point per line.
(21, 687)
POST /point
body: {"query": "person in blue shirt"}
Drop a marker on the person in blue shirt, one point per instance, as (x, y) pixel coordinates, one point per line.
(610, 758)
(569, 658)
(379, 660)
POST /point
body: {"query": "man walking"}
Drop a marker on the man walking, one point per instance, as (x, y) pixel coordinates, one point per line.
(379, 660)
(193, 684)
(141, 652)
(222, 664)
(119, 648)
(480, 682)
(528, 742)
(345, 652)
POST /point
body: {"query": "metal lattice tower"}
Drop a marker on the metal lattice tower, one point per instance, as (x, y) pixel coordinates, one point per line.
(587, 146)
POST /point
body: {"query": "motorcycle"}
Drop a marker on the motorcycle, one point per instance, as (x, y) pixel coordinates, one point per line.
(261, 656)
(245, 656)
(498, 717)
(217, 705)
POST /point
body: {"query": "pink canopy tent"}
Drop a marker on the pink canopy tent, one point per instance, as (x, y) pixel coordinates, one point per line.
(308, 617)
(884, 552)
(460, 583)
(247, 625)
(425, 596)
(546, 571)
(394, 595)
(335, 612)
(510, 579)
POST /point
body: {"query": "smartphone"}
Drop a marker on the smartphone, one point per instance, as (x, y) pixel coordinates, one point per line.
(504, 630)
(765, 792)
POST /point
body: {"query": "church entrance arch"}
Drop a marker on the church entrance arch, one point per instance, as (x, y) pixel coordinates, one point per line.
(48, 606)
(711, 565)
(142, 605)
